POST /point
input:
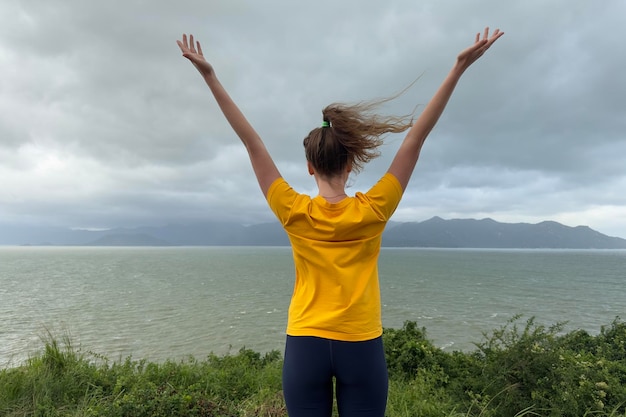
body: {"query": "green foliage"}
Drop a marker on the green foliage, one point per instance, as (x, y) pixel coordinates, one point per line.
(529, 370)
(209, 388)
(518, 370)
(555, 375)
(64, 382)
(409, 352)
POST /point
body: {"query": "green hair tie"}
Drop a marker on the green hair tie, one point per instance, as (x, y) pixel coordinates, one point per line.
(325, 124)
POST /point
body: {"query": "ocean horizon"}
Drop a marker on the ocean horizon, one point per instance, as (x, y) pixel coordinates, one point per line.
(174, 302)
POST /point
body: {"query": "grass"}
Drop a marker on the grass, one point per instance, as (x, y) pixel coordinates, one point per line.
(520, 369)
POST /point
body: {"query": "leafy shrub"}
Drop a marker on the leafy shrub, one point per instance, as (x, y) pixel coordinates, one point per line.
(537, 369)
(408, 352)
(515, 371)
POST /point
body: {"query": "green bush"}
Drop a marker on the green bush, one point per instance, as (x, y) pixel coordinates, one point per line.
(517, 370)
(536, 368)
(409, 353)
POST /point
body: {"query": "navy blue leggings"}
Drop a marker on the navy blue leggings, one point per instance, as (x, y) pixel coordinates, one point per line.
(359, 369)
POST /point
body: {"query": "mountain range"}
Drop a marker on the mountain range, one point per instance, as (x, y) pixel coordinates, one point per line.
(435, 232)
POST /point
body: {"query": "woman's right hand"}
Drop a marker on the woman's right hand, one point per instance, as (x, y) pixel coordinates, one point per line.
(471, 54)
(194, 54)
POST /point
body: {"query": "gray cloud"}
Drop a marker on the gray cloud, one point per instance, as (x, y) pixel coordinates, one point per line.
(103, 124)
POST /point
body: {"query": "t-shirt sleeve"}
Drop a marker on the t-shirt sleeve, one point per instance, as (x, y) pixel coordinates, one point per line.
(385, 195)
(280, 197)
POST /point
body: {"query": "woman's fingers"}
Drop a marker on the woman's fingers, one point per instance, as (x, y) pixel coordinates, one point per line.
(482, 42)
(183, 45)
(496, 35)
(189, 45)
(487, 40)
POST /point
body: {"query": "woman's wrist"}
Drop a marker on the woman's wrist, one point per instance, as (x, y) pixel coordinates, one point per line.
(458, 69)
(209, 76)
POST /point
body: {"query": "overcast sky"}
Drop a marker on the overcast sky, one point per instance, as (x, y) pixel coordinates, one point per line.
(104, 124)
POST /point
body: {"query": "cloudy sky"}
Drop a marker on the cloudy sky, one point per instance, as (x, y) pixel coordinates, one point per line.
(104, 124)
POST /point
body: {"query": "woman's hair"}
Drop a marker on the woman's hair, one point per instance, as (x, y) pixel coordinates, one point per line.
(350, 134)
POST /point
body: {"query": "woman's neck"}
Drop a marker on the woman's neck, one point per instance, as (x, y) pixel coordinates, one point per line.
(331, 189)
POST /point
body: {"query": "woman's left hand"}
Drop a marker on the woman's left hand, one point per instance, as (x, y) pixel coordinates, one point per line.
(193, 52)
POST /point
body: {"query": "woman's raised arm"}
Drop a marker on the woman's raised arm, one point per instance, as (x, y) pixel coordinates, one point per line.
(262, 163)
(404, 162)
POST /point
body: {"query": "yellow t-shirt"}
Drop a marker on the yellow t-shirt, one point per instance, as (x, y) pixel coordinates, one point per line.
(335, 249)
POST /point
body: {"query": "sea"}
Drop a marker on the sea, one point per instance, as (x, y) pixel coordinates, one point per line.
(174, 303)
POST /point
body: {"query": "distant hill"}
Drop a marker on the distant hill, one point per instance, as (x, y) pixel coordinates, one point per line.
(488, 233)
(435, 232)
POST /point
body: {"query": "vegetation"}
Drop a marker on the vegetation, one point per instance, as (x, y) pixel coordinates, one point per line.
(521, 369)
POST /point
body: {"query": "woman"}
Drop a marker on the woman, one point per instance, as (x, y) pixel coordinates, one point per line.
(334, 327)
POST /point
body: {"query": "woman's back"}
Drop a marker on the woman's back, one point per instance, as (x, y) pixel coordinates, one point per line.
(335, 249)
